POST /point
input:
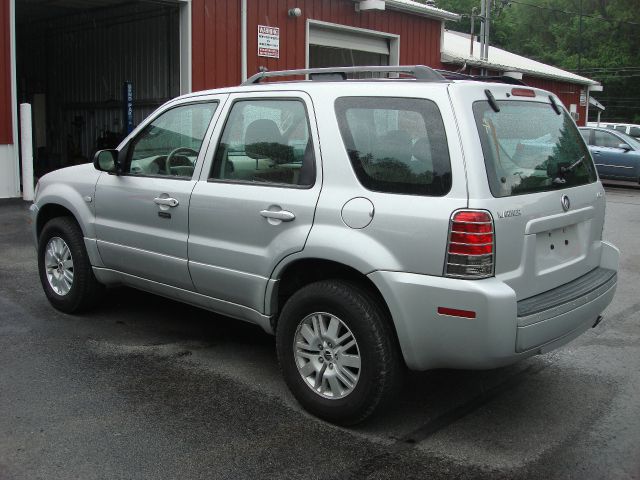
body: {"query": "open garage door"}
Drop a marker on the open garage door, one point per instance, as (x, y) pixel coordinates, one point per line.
(93, 70)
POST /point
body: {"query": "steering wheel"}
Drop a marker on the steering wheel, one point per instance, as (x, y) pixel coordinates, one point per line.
(173, 153)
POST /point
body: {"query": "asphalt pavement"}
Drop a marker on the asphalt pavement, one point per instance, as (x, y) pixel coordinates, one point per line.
(147, 388)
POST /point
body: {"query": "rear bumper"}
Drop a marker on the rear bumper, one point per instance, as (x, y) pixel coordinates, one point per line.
(498, 335)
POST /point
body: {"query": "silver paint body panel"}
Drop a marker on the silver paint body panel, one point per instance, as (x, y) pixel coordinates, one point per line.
(219, 253)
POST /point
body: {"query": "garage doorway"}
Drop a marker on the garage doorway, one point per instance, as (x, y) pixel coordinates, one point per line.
(332, 45)
(77, 62)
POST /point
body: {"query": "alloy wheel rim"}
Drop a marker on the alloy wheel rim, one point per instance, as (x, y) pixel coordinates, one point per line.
(58, 263)
(327, 355)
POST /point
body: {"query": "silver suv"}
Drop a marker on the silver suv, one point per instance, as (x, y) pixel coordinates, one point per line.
(370, 224)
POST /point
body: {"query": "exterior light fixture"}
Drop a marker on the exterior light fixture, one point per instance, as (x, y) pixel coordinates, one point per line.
(365, 5)
(294, 12)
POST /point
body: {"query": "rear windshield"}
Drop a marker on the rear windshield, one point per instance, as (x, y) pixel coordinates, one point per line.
(529, 148)
(396, 145)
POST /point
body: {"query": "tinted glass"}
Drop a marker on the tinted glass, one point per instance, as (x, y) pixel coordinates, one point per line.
(170, 144)
(529, 148)
(585, 135)
(606, 139)
(634, 132)
(266, 141)
(621, 128)
(396, 145)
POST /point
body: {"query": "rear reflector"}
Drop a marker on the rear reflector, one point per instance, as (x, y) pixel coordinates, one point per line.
(470, 246)
(454, 312)
(523, 92)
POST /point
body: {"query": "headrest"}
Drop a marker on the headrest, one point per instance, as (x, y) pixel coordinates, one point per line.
(396, 145)
(260, 135)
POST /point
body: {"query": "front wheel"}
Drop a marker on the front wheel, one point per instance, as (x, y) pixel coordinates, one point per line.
(64, 267)
(337, 351)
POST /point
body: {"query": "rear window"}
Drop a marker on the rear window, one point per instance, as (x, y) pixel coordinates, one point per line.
(529, 148)
(396, 145)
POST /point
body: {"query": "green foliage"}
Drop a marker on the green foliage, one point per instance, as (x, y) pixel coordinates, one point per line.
(603, 43)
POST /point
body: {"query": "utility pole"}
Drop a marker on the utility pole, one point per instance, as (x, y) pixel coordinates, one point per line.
(485, 20)
(483, 15)
(580, 40)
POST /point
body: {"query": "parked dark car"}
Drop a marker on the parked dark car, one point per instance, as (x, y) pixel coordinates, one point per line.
(615, 154)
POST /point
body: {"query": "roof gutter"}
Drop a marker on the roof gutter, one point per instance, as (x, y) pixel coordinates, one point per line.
(448, 58)
(420, 9)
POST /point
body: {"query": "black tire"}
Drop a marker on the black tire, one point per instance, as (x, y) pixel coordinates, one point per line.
(381, 365)
(85, 290)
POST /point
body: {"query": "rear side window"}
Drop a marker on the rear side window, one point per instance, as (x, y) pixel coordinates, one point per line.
(396, 145)
(634, 132)
(528, 148)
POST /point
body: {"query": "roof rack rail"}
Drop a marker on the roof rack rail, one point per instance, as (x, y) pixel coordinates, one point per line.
(480, 78)
(420, 73)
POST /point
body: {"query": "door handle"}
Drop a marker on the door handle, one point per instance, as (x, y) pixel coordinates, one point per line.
(281, 215)
(596, 152)
(167, 202)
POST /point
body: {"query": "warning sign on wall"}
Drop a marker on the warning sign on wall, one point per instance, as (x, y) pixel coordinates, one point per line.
(583, 97)
(268, 41)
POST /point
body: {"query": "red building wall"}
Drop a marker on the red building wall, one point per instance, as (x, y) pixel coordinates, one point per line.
(215, 60)
(567, 92)
(216, 35)
(6, 127)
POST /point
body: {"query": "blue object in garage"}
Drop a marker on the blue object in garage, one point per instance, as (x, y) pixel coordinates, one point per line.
(127, 104)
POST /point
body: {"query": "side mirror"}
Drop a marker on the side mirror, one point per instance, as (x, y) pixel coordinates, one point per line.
(106, 161)
(624, 146)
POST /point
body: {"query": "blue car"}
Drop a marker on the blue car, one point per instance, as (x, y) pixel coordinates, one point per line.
(615, 154)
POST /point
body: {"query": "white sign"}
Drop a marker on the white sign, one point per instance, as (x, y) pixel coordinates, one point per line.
(583, 97)
(268, 41)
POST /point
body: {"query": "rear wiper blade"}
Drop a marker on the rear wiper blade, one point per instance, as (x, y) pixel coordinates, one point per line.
(573, 165)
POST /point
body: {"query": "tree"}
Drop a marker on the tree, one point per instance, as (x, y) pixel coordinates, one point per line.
(594, 38)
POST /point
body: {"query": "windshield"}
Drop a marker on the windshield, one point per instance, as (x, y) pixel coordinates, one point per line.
(529, 148)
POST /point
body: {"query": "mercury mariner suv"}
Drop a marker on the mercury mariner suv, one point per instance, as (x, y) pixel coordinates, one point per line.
(407, 220)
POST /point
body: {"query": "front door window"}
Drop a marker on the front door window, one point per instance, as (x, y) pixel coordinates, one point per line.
(169, 146)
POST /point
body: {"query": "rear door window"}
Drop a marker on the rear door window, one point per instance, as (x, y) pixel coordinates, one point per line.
(396, 145)
(529, 148)
(266, 142)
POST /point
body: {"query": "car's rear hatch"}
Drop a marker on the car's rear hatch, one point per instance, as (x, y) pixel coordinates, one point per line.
(528, 165)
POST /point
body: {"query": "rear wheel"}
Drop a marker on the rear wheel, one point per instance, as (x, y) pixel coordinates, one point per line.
(337, 351)
(64, 267)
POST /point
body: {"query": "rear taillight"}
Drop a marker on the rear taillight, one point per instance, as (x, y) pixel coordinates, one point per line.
(471, 245)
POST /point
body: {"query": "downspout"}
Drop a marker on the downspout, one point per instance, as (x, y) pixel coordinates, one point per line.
(13, 52)
(243, 39)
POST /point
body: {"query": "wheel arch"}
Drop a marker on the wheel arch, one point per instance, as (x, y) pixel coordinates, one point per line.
(50, 211)
(304, 271)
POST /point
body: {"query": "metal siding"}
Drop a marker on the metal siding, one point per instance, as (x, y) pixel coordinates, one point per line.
(216, 35)
(413, 50)
(99, 51)
(6, 127)
(215, 43)
(567, 92)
